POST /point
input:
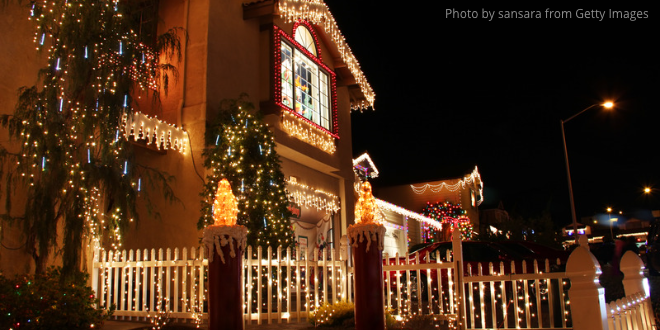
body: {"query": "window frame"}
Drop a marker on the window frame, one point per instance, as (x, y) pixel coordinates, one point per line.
(282, 37)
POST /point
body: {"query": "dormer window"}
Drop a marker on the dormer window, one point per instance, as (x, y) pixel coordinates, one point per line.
(306, 85)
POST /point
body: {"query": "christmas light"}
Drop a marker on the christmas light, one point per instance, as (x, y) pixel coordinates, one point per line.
(154, 131)
(366, 207)
(383, 205)
(474, 179)
(310, 197)
(306, 131)
(225, 207)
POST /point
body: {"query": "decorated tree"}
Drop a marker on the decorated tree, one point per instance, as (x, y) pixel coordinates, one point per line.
(451, 216)
(71, 156)
(242, 150)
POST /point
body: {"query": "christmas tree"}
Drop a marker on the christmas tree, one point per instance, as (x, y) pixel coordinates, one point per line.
(242, 150)
(72, 156)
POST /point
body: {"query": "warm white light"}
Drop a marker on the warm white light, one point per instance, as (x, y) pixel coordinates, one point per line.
(608, 105)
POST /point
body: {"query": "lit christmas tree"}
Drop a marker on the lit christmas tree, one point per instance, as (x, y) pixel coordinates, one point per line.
(242, 150)
(72, 157)
(450, 216)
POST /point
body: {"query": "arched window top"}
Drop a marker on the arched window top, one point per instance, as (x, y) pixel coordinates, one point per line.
(304, 37)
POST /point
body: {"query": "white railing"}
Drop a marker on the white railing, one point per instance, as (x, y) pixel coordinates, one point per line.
(292, 286)
(408, 287)
(282, 285)
(493, 299)
(279, 285)
(633, 312)
(144, 283)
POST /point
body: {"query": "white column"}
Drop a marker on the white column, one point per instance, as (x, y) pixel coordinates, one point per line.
(588, 308)
(632, 268)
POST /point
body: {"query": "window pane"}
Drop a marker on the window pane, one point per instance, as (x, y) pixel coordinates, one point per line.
(324, 100)
(306, 88)
(287, 75)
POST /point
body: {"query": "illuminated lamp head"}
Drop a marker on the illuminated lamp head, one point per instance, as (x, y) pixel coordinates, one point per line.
(225, 207)
(366, 210)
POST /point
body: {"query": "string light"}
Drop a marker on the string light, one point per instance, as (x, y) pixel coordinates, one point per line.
(474, 179)
(303, 130)
(154, 131)
(310, 197)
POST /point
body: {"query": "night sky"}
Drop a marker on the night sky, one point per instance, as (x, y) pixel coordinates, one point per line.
(453, 93)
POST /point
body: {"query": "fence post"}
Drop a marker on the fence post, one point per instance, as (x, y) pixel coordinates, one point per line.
(632, 268)
(457, 251)
(367, 242)
(225, 245)
(588, 308)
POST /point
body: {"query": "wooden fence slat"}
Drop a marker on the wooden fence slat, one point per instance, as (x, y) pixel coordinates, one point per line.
(175, 283)
(269, 285)
(298, 287)
(129, 288)
(288, 284)
(248, 274)
(278, 278)
(168, 281)
(493, 301)
(335, 273)
(152, 282)
(259, 286)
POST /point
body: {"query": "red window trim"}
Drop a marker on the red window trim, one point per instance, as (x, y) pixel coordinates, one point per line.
(278, 35)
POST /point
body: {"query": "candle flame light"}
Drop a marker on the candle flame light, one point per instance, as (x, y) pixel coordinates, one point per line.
(225, 208)
(366, 210)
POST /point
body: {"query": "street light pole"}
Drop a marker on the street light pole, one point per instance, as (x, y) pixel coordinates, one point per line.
(607, 105)
(570, 184)
(609, 214)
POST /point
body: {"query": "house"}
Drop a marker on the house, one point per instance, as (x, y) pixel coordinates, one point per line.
(455, 201)
(396, 219)
(292, 60)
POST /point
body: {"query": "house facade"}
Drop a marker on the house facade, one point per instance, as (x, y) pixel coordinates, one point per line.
(292, 61)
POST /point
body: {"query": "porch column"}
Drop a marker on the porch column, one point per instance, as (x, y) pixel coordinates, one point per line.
(588, 308)
(367, 242)
(632, 268)
(225, 246)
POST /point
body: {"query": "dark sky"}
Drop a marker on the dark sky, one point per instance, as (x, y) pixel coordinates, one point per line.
(453, 93)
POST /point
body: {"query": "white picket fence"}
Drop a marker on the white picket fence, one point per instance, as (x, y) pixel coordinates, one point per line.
(633, 312)
(280, 285)
(492, 299)
(283, 286)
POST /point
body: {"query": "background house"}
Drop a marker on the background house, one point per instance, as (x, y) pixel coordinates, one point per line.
(465, 192)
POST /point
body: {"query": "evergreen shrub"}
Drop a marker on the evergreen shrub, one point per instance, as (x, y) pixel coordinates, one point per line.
(46, 301)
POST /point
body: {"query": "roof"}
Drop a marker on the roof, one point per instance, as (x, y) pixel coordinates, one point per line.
(365, 163)
(383, 205)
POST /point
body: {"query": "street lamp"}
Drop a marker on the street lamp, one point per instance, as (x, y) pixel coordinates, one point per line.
(607, 105)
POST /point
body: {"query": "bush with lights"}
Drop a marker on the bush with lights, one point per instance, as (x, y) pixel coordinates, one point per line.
(451, 216)
(44, 301)
(332, 314)
(242, 150)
